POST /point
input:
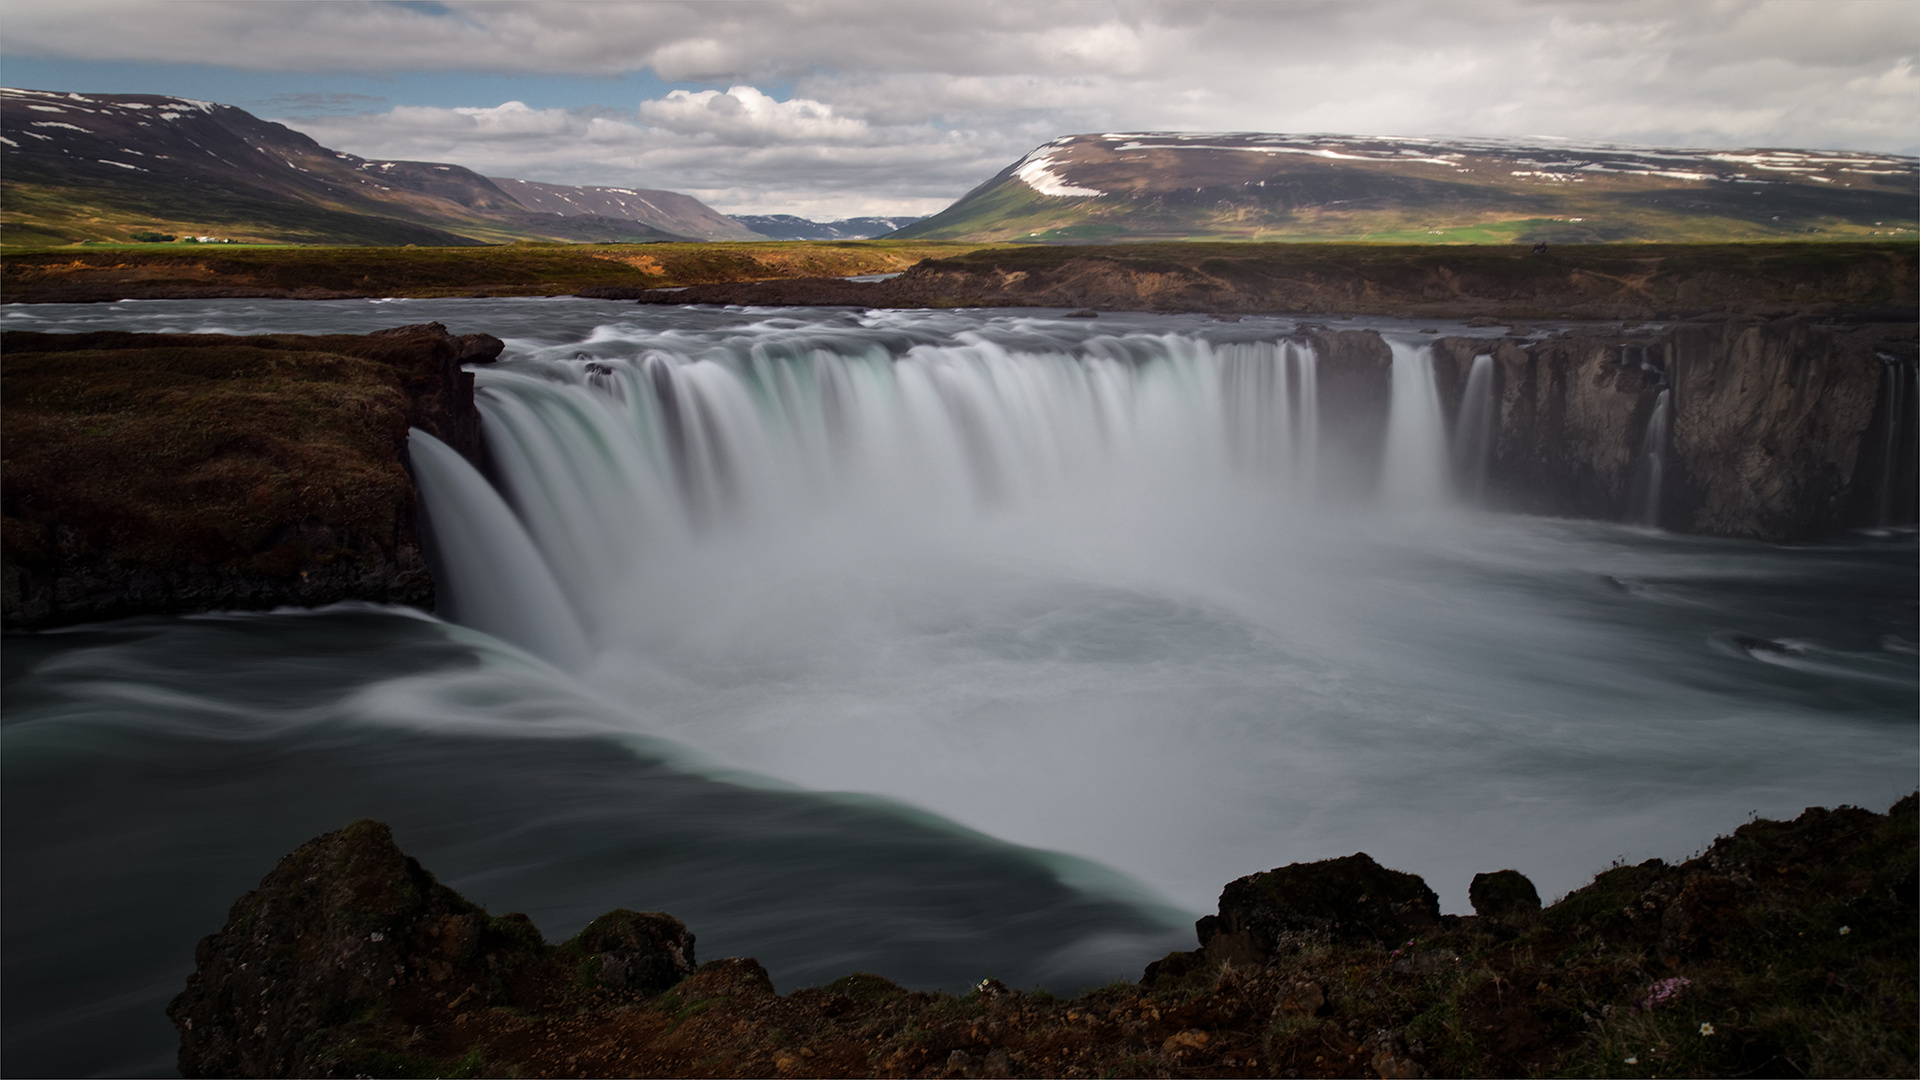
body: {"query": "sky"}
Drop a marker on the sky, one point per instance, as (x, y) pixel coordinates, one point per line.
(836, 108)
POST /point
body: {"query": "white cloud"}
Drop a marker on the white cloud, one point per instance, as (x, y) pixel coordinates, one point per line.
(739, 150)
(887, 105)
(745, 116)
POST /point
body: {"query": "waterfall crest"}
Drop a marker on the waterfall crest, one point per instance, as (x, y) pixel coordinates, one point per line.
(607, 461)
(1415, 471)
(1473, 430)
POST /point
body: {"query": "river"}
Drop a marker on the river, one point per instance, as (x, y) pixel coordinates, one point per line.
(935, 644)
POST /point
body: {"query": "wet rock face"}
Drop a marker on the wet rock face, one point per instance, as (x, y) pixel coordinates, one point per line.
(1350, 901)
(1503, 894)
(1355, 374)
(1569, 413)
(1776, 431)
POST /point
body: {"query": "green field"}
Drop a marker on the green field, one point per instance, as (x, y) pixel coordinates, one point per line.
(118, 271)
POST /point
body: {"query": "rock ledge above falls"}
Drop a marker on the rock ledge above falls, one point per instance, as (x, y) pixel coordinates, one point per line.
(1786, 948)
(172, 473)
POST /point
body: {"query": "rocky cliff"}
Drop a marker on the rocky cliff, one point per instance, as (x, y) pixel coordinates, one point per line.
(164, 473)
(1509, 281)
(1789, 408)
(1782, 430)
(1787, 948)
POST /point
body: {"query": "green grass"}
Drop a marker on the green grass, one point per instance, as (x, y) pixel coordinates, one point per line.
(517, 269)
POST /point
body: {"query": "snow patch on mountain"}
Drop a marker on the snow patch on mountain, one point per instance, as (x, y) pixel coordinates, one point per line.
(1036, 170)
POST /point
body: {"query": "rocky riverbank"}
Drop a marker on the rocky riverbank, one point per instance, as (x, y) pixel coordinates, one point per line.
(1596, 281)
(171, 473)
(1786, 948)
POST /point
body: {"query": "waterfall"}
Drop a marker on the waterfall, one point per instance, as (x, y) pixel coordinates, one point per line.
(608, 463)
(496, 580)
(1890, 393)
(1272, 404)
(1473, 430)
(1415, 476)
(1306, 411)
(1653, 448)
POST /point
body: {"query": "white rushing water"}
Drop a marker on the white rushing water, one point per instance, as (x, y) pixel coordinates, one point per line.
(1653, 450)
(1473, 432)
(1131, 590)
(1415, 475)
(1091, 592)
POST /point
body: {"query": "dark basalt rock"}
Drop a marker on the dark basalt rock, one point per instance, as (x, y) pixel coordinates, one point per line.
(348, 946)
(1780, 431)
(634, 950)
(303, 978)
(1794, 941)
(1351, 901)
(172, 473)
(1503, 894)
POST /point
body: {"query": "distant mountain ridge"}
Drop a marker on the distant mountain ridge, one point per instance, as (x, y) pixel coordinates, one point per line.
(104, 166)
(789, 227)
(1260, 186)
(668, 210)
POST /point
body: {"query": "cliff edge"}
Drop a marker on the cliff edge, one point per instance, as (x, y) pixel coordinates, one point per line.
(1786, 948)
(167, 473)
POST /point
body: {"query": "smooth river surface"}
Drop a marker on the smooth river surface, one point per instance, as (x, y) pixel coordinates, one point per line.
(1013, 698)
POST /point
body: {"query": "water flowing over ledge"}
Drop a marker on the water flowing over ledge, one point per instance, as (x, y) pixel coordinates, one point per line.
(858, 615)
(658, 442)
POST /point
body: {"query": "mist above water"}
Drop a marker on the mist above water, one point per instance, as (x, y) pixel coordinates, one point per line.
(1114, 594)
(1111, 588)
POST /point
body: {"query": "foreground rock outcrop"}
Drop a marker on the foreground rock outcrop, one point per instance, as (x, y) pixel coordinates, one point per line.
(166, 473)
(1787, 948)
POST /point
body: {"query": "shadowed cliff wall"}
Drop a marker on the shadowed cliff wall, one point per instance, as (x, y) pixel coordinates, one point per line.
(1779, 431)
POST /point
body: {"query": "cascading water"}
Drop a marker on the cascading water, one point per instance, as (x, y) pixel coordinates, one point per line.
(619, 461)
(510, 593)
(1653, 449)
(822, 584)
(1900, 397)
(1415, 473)
(1473, 431)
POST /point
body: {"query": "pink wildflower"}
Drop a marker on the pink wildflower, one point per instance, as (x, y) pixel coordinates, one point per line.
(1664, 991)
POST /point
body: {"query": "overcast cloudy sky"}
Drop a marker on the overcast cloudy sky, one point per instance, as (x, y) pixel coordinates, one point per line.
(832, 108)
